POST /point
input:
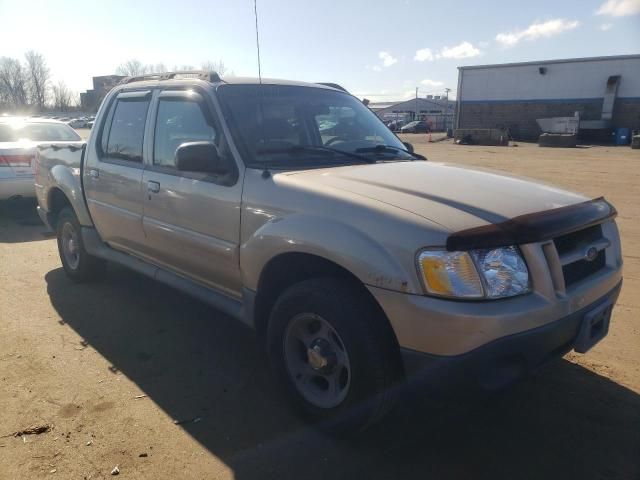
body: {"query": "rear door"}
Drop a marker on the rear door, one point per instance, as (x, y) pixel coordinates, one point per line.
(112, 179)
(191, 219)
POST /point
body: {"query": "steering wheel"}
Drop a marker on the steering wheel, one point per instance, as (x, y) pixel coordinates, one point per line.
(336, 139)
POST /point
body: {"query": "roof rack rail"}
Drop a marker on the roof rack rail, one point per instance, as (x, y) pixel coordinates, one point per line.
(333, 85)
(209, 76)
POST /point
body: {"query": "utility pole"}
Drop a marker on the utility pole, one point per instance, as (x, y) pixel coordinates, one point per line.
(416, 118)
(446, 110)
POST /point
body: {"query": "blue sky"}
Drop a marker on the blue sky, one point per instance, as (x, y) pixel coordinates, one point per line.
(381, 49)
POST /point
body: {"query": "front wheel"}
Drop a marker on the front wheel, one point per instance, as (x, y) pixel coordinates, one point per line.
(333, 354)
(78, 264)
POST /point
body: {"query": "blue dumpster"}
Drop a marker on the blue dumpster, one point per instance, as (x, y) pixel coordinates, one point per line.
(622, 136)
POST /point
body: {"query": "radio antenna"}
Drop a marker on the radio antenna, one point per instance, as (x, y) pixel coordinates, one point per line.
(265, 173)
(255, 12)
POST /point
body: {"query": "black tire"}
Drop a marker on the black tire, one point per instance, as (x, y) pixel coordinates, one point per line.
(86, 267)
(368, 340)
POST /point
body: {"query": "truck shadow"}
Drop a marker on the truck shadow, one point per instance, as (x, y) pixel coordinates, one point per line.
(194, 362)
(19, 222)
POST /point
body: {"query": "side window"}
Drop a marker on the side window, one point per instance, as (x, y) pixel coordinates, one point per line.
(127, 130)
(179, 121)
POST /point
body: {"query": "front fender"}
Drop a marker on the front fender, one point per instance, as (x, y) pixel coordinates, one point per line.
(338, 242)
(67, 179)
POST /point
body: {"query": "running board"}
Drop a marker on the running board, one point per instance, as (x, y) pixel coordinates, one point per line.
(235, 308)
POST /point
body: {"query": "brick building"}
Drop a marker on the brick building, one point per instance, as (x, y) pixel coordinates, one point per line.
(91, 99)
(514, 95)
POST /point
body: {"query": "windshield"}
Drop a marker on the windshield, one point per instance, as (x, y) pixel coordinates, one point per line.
(37, 132)
(293, 125)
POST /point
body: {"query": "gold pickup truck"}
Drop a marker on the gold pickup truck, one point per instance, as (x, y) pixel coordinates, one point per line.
(359, 264)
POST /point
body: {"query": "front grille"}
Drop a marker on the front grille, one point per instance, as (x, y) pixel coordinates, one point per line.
(572, 249)
(572, 241)
(576, 271)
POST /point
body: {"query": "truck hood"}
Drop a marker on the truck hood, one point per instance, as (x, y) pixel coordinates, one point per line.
(453, 196)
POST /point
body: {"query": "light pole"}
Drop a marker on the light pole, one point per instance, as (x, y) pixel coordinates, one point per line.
(416, 117)
(446, 110)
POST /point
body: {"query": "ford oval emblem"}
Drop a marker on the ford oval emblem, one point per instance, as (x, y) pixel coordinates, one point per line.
(591, 254)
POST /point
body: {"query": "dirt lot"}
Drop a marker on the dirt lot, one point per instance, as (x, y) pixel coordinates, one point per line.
(112, 365)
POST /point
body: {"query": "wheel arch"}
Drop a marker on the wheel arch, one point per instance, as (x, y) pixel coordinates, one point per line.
(287, 269)
(57, 200)
(65, 182)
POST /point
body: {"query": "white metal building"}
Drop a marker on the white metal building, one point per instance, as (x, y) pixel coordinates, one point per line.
(513, 95)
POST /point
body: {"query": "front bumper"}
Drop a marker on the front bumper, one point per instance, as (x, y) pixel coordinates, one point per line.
(450, 327)
(507, 359)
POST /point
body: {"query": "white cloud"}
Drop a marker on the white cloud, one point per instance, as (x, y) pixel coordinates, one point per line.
(537, 30)
(619, 8)
(376, 68)
(424, 54)
(387, 59)
(464, 50)
(431, 83)
(605, 27)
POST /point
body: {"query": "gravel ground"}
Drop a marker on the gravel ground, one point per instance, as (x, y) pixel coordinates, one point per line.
(112, 367)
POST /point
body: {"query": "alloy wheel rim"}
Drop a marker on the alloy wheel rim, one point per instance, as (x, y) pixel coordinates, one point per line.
(317, 361)
(70, 245)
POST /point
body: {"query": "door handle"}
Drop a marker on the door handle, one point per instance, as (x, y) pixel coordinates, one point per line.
(93, 173)
(153, 187)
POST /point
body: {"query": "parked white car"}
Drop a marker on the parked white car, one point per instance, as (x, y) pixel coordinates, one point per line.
(19, 138)
(77, 123)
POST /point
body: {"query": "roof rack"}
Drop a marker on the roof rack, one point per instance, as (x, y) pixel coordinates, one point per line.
(333, 85)
(209, 76)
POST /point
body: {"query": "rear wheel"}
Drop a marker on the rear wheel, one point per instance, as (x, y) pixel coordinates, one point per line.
(333, 354)
(79, 265)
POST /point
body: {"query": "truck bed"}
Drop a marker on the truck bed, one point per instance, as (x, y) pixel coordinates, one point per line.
(59, 166)
(50, 154)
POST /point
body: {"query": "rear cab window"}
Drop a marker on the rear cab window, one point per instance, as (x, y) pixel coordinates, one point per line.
(126, 133)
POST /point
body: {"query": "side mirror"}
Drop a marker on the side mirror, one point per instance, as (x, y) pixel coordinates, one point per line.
(198, 157)
(408, 146)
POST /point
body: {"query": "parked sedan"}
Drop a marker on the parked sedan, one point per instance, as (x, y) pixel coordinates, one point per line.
(18, 140)
(77, 123)
(415, 127)
(395, 125)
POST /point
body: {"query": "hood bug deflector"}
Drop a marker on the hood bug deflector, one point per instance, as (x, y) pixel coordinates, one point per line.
(533, 227)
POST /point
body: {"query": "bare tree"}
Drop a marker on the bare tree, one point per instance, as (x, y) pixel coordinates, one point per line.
(37, 74)
(75, 100)
(62, 97)
(216, 66)
(183, 68)
(132, 68)
(13, 82)
(157, 68)
(4, 95)
(135, 67)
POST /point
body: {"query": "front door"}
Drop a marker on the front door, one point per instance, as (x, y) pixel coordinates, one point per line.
(191, 220)
(112, 178)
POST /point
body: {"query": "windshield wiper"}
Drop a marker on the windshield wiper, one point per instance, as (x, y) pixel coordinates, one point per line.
(297, 149)
(389, 148)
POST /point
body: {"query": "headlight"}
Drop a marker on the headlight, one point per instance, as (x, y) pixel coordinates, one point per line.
(450, 274)
(492, 273)
(504, 272)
